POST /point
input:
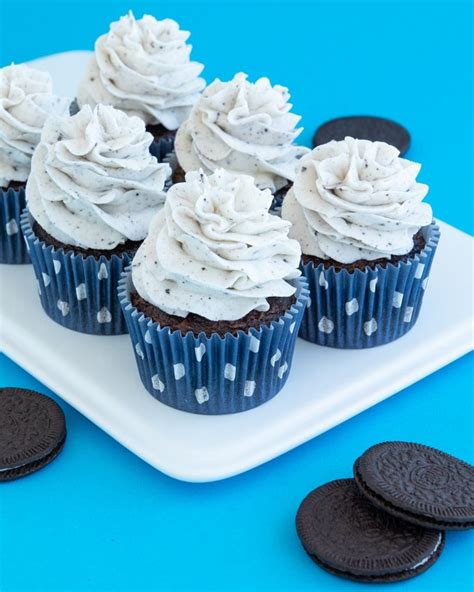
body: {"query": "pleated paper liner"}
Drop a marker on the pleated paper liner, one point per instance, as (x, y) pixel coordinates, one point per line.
(162, 147)
(77, 292)
(12, 245)
(213, 375)
(367, 308)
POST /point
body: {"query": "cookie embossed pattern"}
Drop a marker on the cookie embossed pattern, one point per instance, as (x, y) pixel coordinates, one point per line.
(419, 484)
(32, 432)
(346, 535)
(371, 533)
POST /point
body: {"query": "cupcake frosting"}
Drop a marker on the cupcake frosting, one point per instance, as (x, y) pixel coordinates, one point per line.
(215, 250)
(93, 182)
(26, 100)
(143, 67)
(356, 199)
(243, 127)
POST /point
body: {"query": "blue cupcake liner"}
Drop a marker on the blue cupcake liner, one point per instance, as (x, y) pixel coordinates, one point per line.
(213, 375)
(77, 292)
(74, 107)
(277, 203)
(367, 308)
(162, 147)
(12, 245)
(172, 160)
(276, 206)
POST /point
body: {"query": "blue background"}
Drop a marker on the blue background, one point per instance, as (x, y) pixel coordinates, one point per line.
(99, 518)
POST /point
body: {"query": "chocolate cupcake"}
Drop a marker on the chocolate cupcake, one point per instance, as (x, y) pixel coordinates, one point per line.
(26, 100)
(368, 242)
(242, 127)
(143, 67)
(213, 300)
(93, 189)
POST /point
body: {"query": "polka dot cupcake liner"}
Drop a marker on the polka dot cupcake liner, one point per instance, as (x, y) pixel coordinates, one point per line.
(276, 206)
(77, 292)
(172, 160)
(367, 308)
(162, 148)
(213, 375)
(12, 245)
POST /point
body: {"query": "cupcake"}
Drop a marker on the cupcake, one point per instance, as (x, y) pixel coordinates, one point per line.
(26, 100)
(213, 300)
(92, 191)
(143, 67)
(368, 242)
(242, 127)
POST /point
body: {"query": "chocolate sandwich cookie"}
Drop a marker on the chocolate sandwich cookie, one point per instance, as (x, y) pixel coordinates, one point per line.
(346, 535)
(364, 127)
(420, 484)
(32, 432)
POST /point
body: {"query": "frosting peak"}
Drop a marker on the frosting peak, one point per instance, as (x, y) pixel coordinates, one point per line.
(26, 100)
(143, 67)
(215, 250)
(243, 127)
(356, 199)
(94, 183)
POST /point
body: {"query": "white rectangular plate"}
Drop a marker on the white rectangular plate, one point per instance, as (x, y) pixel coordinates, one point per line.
(98, 376)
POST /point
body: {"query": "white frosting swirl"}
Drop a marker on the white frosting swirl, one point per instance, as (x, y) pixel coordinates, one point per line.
(26, 100)
(215, 250)
(93, 182)
(245, 128)
(356, 199)
(143, 67)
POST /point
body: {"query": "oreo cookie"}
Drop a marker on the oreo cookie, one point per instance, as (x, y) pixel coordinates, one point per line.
(364, 127)
(347, 536)
(32, 432)
(419, 484)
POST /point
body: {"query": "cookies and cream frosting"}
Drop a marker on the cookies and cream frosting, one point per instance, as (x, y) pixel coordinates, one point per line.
(215, 250)
(26, 100)
(356, 199)
(93, 182)
(143, 67)
(243, 127)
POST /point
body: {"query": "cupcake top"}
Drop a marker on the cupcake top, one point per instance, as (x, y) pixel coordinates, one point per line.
(243, 127)
(143, 67)
(93, 182)
(215, 250)
(356, 199)
(26, 100)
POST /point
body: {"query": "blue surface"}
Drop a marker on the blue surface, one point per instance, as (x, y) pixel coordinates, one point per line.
(99, 518)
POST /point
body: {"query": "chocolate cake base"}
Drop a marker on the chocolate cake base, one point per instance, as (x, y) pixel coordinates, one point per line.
(160, 131)
(16, 185)
(197, 324)
(178, 175)
(129, 246)
(418, 245)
